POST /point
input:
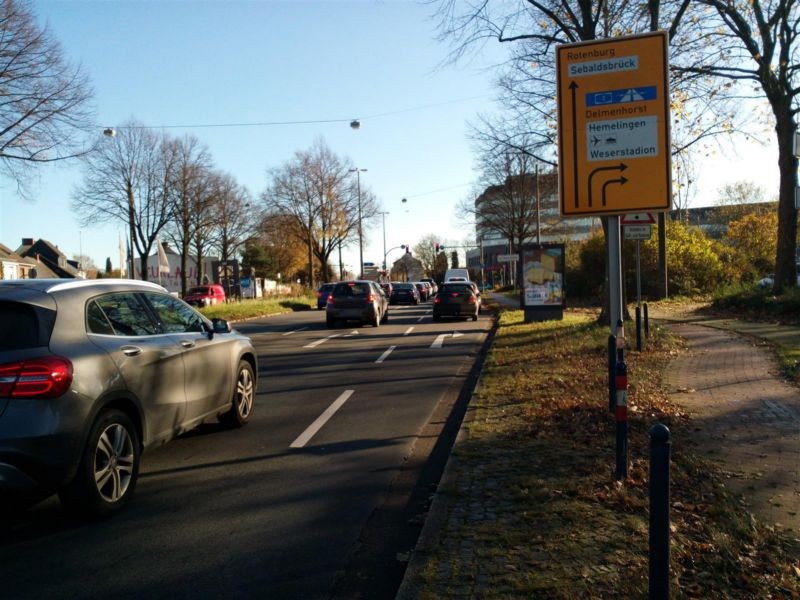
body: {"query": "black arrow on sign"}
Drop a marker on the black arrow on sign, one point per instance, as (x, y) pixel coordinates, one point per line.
(574, 86)
(620, 167)
(621, 181)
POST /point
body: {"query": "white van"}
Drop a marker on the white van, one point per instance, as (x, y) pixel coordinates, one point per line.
(456, 275)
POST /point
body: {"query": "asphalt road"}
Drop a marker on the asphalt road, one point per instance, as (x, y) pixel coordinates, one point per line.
(283, 508)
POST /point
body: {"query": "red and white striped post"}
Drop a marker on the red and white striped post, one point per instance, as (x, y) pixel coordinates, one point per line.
(621, 417)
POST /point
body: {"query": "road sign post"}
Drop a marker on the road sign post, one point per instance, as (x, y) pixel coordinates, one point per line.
(614, 135)
(613, 118)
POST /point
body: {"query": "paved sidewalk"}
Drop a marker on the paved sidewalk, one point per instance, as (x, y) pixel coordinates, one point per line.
(744, 416)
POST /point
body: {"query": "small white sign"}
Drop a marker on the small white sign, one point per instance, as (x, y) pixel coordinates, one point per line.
(507, 257)
(637, 232)
(638, 219)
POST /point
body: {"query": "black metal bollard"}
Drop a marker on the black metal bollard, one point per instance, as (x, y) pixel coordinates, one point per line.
(660, 449)
(612, 372)
(638, 329)
(621, 418)
(646, 322)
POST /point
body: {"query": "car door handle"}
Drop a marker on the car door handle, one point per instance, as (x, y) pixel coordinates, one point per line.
(187, 344)
(131, 350)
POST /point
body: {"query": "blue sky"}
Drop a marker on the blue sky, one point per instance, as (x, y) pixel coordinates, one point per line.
(215, 63)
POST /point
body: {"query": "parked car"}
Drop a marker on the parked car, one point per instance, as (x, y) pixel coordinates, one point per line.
(434, 286)
(456, 300)
(205, 295)
(404, 293)
(322, 295)
(95, 372)
(362, 301)
(769, 281)
(423, 291)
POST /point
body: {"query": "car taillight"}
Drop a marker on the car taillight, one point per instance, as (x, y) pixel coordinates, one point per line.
(371, 298)
(47, 377)
(319, 294)
(437, 300)
(472, 299)
(330, 299)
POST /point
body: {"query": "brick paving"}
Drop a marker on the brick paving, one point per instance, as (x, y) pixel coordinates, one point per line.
(745, 417)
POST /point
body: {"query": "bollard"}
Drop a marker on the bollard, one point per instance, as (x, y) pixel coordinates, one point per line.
(660, 448)
(621, 418)
(646, 322)
(612, 372)
(638, 328)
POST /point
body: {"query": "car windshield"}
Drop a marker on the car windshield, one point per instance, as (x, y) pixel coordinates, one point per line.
(404, 286)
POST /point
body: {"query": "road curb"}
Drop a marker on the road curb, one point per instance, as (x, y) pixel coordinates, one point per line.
(437, 513)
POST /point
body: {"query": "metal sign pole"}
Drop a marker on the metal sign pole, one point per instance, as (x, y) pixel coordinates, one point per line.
(638, 276)
(614, 273)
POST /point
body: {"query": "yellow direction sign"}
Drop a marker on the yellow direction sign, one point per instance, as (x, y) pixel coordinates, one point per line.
(613, 126)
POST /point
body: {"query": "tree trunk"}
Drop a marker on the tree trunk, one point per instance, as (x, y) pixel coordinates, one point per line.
(785, 258)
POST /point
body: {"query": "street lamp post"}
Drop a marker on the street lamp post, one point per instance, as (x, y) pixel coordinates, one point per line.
(383, 215)
(358, 172)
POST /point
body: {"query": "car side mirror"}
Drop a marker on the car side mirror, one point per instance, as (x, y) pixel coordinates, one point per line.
(220, 325)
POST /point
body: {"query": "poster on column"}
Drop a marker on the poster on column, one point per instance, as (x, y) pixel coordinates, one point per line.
(543, 275)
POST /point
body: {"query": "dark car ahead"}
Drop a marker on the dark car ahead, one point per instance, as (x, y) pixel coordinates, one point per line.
(404, 293)
(322, 295)
(456, 300)
(423, 291)
(362, 301)
(94, 372)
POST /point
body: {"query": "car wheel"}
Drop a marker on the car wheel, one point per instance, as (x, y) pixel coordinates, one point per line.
(330, 322)
(386, 316)
(243, 397)
(437, 317)
(475, 317)
(108, 469)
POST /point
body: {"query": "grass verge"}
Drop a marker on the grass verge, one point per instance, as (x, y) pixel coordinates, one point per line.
(533, 509)
(249, 309)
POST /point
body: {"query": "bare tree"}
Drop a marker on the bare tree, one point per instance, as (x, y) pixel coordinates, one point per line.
(126, 178)
(511, 202)
(190, 193)
(234, 221)
(316, 191)
(44, 101)
(756, 43)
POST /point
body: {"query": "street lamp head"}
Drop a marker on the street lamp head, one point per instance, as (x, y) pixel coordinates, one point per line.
(109, 132)
(355, 124)
(404, 200)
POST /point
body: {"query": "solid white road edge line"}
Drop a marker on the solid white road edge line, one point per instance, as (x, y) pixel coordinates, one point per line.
(409, 330)
(312, 429)
(385, 354)
(322, 341)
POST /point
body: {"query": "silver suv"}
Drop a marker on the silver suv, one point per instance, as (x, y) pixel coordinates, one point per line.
(94, 372)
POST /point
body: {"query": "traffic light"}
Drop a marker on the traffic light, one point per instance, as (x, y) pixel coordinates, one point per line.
(436, 245)
(408, 249)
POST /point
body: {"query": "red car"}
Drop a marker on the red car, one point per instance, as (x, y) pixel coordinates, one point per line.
(205, 295)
